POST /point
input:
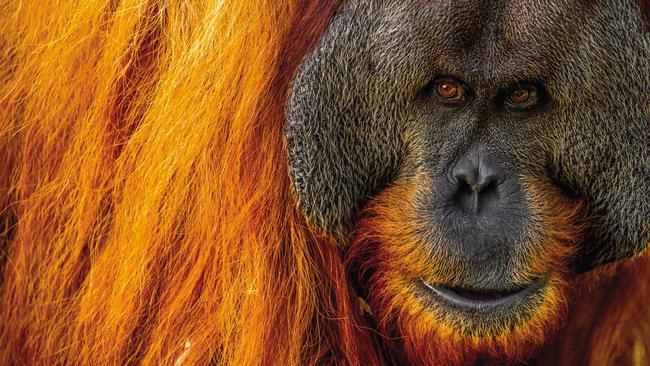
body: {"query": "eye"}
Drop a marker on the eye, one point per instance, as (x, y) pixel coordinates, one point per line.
(519, 96)
(449, 91)
(522, 97)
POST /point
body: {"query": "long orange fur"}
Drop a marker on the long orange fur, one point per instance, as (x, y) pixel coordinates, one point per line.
(146, 211)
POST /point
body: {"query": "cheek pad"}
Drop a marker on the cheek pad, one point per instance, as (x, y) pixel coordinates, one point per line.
(342, 144)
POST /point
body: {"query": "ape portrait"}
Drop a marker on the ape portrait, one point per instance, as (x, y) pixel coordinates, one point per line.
(324, 182)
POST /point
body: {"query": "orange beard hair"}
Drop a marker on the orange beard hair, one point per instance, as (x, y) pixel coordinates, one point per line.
(598, 318)
(144, 200)
(387, 247)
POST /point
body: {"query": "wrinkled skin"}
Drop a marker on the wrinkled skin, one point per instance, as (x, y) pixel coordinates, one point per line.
(364, 115)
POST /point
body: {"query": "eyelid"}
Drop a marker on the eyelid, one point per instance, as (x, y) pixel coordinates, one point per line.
(463, 91)
(534, 99)
(532, 94)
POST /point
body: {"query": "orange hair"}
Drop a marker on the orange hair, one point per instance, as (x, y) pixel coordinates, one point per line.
(385, 256)
(146, 212)
(147, 176)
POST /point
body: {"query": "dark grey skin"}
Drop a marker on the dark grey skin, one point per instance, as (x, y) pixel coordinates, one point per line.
(362, 115)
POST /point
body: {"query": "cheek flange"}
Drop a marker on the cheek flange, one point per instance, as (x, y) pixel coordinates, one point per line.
(340, 128)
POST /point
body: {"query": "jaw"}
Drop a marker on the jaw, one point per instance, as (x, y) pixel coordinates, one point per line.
(435, 322)
(438, 325)
(438, 319)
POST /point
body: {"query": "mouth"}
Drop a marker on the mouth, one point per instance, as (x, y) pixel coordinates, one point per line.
(483, 300)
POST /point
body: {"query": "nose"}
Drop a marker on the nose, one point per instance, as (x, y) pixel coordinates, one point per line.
(479, 207)
(475, 179)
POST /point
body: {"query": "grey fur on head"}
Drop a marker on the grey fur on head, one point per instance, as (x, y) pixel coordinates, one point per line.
(358, 117)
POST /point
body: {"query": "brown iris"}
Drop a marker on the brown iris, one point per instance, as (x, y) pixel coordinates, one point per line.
(450, 90)
(519, 96)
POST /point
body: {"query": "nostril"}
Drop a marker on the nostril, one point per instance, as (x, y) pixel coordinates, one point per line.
(466, 173)
(464, 188)
(476, 183)
(463, 180)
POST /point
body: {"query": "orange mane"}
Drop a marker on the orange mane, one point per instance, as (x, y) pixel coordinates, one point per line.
(146, 213)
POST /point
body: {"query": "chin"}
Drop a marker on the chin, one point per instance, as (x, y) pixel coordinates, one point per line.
(436, 324)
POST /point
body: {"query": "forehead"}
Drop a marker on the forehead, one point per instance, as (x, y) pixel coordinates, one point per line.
(488, 39)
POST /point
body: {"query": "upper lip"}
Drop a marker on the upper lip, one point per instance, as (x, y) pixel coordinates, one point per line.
(484, 299)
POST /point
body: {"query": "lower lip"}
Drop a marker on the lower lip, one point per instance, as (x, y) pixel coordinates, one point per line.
(487, 301)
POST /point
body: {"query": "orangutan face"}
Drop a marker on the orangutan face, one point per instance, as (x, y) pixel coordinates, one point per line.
(474, 156)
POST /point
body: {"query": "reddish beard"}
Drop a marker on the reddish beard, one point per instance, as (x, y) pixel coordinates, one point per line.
(387, 259)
